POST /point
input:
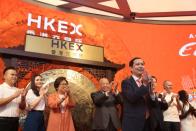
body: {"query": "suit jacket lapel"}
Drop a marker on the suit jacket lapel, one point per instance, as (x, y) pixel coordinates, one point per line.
(133, 82)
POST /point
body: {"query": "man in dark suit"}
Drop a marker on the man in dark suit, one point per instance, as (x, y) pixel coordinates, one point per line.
(106, 116)
(157, 108)
(135, 92)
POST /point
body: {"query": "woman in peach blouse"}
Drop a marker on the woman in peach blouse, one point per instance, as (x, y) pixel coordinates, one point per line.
(60, 103)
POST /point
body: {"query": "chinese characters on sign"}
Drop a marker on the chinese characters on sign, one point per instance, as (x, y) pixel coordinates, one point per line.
(62, 48)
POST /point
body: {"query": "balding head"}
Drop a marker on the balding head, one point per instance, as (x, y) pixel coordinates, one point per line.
(104, 84)
(167, 85)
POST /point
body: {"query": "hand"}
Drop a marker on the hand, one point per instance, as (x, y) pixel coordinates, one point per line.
(66, 94)
(46, 86)
(164, 95)
(62, 99)
(66, 100)
(177, 97)
(24, 92)
(43, 91)
(115, 85)
(67, 91)
(107, 93)
(172, 98)
(145, 77)
(18, 92)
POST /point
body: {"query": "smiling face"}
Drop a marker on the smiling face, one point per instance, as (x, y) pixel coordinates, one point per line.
(168, 86)
(104, 85)
(38, 82)
(10, 77)
(63, 87)
(137, 68)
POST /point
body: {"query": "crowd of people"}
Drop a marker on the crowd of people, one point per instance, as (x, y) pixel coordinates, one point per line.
(34, 100)
(140, 107)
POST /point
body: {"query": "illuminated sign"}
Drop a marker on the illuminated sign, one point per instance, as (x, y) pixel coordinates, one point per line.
(188, 49)
(63, 48)
(61, 29)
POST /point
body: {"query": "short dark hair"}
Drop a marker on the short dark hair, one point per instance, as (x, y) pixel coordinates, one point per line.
(8, 68)
(182, 95)
(132, 61)
(154, 78)
(58, 81)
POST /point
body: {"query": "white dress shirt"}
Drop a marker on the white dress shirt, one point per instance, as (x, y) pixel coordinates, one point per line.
(30, 97)
(11, 109)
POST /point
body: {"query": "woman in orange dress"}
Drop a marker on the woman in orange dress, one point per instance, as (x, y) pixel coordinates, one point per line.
(60, 103)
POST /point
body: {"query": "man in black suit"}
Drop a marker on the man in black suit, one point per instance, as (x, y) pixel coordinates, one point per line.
(106, 116)
(135, 92)
(157, 108)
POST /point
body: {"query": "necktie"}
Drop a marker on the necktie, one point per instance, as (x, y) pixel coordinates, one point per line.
(139, 82)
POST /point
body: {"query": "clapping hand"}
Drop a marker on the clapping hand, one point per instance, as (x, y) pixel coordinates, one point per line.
(44, 90)
(174, 97)
(145, 77)
(18, 92)
(164, 94)
(24, 92)
(115, 85)
(67, 92)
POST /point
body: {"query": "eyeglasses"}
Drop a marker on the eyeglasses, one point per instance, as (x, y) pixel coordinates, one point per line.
(64, 84)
